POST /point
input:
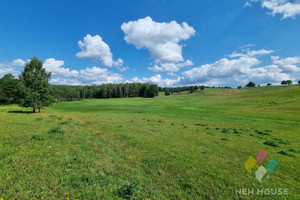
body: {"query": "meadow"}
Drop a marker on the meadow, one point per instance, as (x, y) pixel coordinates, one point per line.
(187, 146)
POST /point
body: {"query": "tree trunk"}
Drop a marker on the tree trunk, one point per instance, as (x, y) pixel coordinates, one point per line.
(33, 110)
(39, 110)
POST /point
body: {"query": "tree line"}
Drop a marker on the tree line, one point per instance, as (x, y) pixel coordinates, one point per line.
(120, 90)
(284, 82)
(171, 90)
(32, 89)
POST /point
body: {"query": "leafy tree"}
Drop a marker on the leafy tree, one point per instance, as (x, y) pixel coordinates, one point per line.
(299, 82)
(196, 88)
(153, 90)
(250, 84)
(167, 92)
(119, 91)
(143, 90)
(269, 84)
(192, 89)
(34, 86)
(8, 91)
(284, 82)
(239, 87)
(202, 87)
(126, 90)
(289, 82)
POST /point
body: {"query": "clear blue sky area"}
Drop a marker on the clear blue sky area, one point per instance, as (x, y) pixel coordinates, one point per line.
(168, 42)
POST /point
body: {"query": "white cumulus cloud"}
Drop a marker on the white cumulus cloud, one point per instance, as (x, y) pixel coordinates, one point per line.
(97, 75)
(94, 48)
(288, 64)
(55, 67)
(251, 53)
(241, 69)
(157, 79)
(18, 62)
(170, 67)
(161, 39)
(286, 8)
(12, 67)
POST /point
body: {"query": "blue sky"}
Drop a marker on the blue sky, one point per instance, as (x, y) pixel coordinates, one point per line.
(171, 43)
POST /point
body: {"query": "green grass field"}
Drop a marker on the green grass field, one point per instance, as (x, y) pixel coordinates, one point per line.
(169, 147)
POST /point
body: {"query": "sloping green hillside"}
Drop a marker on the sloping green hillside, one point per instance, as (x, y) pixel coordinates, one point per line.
(189, 146)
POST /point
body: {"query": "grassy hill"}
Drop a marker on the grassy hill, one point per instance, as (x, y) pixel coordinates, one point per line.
(188, 146)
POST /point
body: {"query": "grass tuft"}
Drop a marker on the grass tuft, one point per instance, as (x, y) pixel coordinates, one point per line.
(225, 139)
(127, 191)
(39, 119)
(37, 137)
(273, 143)
(286, 153)
(56, 130)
